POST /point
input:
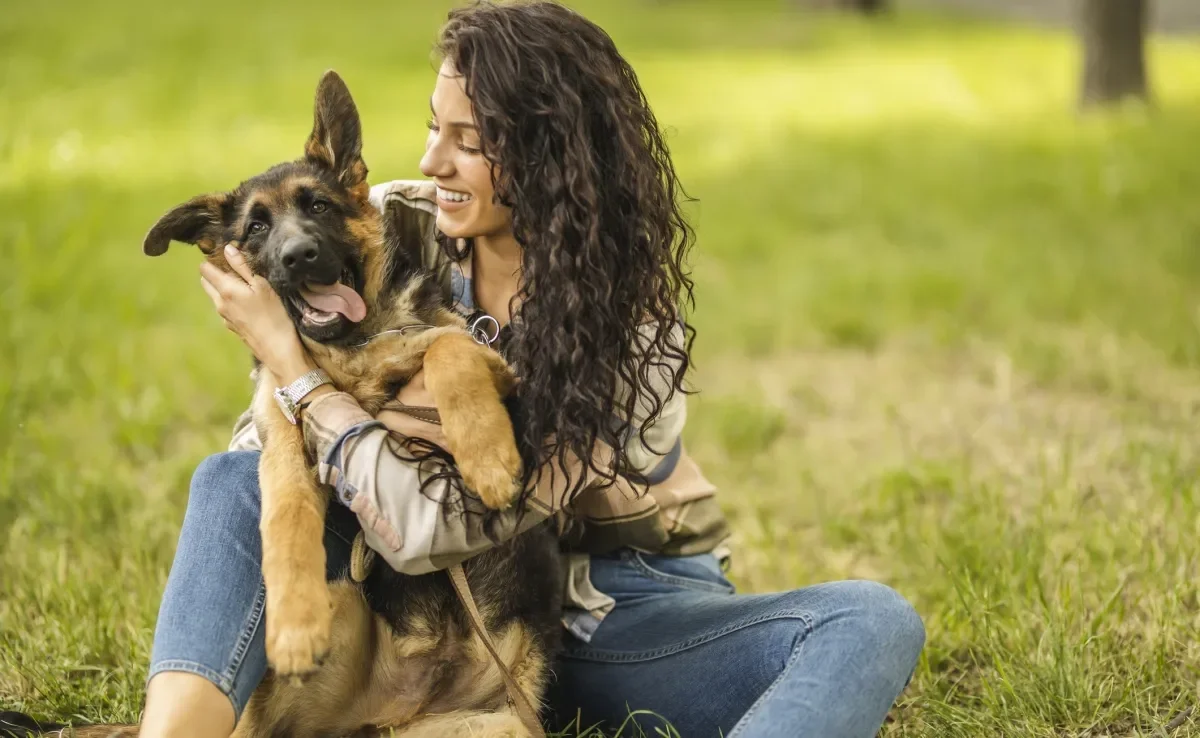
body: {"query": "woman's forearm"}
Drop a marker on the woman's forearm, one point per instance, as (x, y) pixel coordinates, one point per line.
(410, 528)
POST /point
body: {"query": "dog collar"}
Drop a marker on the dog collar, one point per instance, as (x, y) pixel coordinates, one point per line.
(401, 331)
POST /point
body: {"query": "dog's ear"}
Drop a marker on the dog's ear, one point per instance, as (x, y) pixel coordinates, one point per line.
(199, 221)
(336, 139)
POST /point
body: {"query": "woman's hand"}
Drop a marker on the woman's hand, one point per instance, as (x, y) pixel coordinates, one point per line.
(414, 393)
(252, 310)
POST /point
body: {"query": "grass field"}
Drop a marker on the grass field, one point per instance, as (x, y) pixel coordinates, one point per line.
(949, 331)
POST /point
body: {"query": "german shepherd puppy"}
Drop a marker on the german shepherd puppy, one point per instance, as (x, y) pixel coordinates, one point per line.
(397, 653)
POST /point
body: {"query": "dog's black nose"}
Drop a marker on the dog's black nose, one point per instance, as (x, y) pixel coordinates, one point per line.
(299, 253)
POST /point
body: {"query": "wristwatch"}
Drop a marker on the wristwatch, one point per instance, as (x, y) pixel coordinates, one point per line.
(288, 398)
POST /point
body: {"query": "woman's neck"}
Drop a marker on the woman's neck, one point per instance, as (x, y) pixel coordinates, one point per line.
(496, 274)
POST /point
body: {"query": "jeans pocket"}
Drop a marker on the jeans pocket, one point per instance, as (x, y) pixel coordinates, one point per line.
(700, 572)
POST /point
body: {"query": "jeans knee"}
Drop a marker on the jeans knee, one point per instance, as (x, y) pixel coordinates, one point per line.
(221, 479)
(891, 620)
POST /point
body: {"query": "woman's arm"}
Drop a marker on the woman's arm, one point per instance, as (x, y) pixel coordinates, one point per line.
(416, 531)
(419, 531)
(357, 455)
(653, 454)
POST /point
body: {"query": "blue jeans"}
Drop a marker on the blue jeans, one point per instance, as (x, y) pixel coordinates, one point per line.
(826, 660)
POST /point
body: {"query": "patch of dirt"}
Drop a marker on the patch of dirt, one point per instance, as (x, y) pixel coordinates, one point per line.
(858, 414)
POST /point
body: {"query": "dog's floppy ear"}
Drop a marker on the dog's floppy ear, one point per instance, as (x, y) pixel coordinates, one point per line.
(336, 139)
(200, 221)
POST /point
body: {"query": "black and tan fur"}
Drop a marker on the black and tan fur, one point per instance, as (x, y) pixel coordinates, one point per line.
(397, 652)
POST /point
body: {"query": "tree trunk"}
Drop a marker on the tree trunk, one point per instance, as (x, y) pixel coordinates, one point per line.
(1114, 50)
(861, 6)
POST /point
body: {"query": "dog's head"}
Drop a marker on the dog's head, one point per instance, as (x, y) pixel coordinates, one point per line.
(306, 226)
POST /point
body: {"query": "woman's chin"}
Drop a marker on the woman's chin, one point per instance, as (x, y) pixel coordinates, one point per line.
(454, 227)
(465, 224)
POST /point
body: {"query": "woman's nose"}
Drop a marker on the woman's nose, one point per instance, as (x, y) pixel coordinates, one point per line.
(435, 163)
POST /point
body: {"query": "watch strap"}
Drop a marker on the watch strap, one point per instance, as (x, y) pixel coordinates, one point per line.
(306, 383)
(288, 398)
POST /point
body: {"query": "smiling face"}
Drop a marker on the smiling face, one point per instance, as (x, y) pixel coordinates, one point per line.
(454, 161)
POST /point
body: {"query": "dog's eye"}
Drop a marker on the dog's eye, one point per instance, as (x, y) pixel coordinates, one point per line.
(318, 207)
(256, 228)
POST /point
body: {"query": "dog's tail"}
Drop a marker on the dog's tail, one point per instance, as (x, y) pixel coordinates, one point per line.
(20, 725)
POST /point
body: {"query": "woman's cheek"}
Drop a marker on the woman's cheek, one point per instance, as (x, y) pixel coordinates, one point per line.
(497, 218)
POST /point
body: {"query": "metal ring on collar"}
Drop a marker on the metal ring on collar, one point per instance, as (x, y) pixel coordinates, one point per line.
(480, 333)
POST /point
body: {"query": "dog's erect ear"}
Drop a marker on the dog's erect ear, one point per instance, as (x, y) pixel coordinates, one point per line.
(200, 221)
(336, 139)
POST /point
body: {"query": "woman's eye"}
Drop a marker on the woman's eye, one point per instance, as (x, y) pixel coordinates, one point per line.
(468, 149)
(431, 126)
(318, 207)
(256, 228)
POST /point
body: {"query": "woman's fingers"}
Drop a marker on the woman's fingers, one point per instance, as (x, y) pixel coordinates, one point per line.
(213, 294)
(255, 313)
(227, 285)
(218, 302)
(238, 263)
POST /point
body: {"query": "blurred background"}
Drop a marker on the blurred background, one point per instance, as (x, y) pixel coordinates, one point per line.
(947, 272)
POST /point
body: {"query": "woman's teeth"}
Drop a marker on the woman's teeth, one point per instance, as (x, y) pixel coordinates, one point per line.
(453, 196)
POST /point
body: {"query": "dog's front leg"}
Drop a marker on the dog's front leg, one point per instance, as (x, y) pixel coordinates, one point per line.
(468, 382)
(299, 611)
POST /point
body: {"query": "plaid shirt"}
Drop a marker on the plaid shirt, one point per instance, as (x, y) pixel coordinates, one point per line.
(663, 505)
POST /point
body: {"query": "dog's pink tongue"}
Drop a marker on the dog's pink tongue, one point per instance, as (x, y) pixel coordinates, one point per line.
(335, 298)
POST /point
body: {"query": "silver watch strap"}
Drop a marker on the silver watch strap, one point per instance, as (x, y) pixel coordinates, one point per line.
(305, 384)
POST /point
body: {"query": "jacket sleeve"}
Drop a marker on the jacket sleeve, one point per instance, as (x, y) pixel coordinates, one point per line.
(415, 530)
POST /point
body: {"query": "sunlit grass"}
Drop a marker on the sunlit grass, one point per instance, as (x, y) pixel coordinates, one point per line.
(948, 328)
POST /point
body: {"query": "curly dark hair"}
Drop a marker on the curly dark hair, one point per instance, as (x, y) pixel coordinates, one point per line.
(581, 161)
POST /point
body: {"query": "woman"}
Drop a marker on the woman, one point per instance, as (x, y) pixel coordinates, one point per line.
(560, 206)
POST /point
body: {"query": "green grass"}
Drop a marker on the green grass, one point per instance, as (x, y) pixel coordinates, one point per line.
(948, 329)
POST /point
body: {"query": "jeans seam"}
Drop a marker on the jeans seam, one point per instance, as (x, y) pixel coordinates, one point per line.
(740, 726)
(687, 582)
(588, 654)
(192, 667)
(243, 644)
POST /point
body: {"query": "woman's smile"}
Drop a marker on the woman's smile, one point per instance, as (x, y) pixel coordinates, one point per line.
(451, 201)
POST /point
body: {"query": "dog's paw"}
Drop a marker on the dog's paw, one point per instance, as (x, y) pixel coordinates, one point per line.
(299, 625)
(493, 474)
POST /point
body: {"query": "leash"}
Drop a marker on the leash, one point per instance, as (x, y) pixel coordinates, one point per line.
(361, 559)
(525, 711)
